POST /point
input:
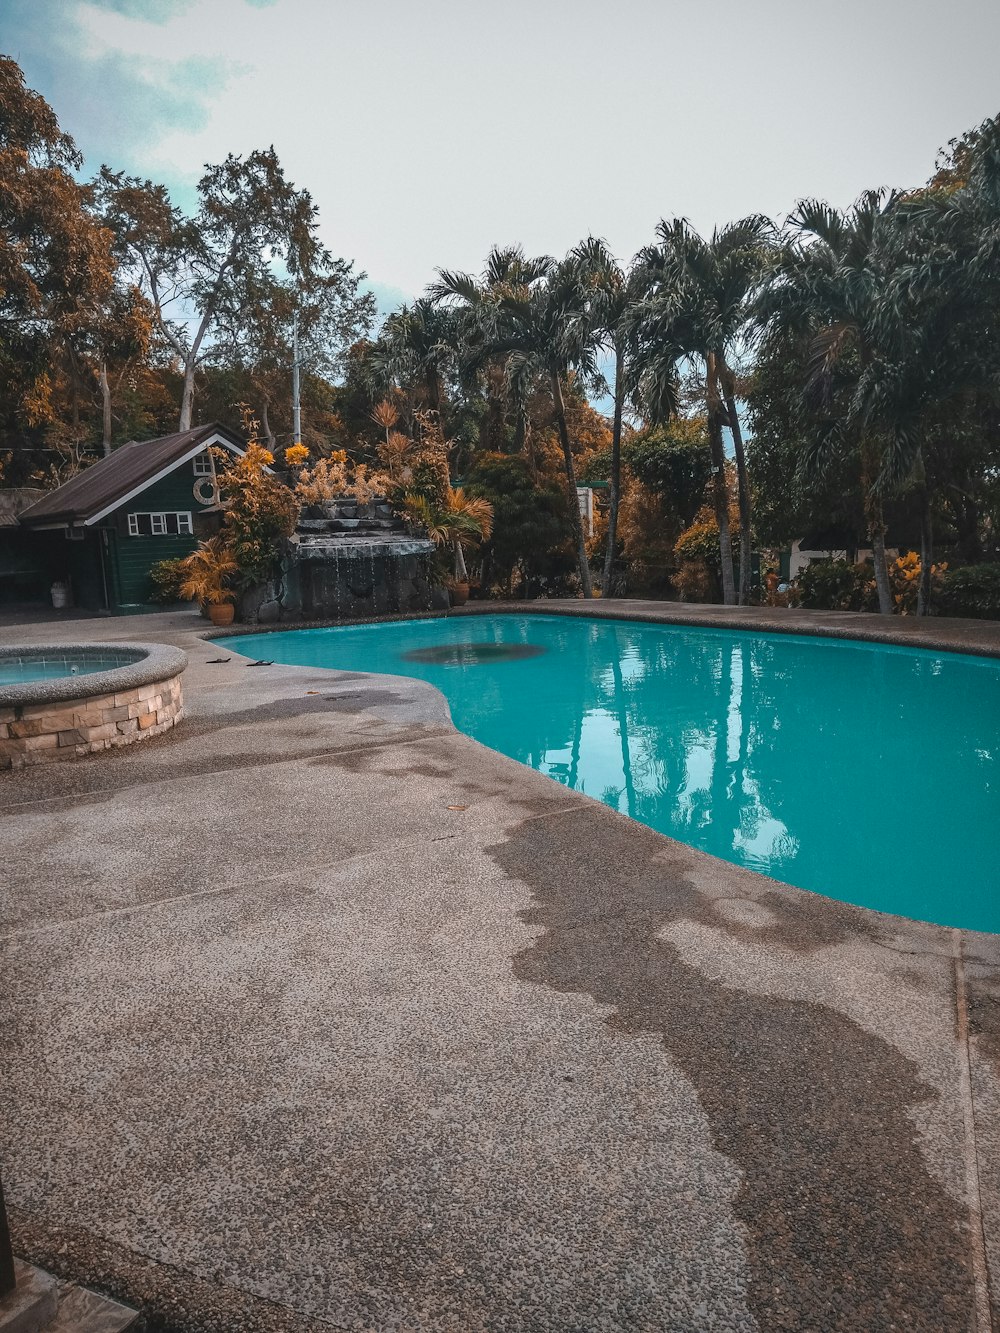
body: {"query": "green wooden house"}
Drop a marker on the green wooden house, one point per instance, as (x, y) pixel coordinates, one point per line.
(148, 501)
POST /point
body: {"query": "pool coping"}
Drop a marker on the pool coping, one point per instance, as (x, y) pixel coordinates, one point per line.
(153, 662)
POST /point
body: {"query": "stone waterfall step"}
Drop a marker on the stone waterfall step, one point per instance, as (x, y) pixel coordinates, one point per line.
(350, 525)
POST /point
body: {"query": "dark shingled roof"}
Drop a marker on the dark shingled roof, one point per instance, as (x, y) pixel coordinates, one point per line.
(93, 490)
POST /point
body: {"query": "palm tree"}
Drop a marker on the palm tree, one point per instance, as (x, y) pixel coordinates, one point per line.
(938, 328)
(458, 521)
(416, 347)
(613, 294)
(700, 308)
(509, 378)
(208, 571)
(831, 285)
(539, 326)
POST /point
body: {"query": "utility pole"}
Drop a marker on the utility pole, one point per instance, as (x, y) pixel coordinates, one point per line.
(296, 401)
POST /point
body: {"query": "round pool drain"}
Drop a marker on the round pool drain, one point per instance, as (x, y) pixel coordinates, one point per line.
(473, 654)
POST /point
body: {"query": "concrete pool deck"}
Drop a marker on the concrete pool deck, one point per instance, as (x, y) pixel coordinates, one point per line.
(319, 1015)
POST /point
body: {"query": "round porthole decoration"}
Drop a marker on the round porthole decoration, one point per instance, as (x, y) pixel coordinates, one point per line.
(211, 500)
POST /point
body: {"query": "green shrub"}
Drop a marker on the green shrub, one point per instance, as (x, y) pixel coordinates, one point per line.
(835, 585)
(165, 578)
(971, 590)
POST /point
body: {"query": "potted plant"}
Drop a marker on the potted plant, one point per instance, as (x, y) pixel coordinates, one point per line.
(206, 574)
(460, 521)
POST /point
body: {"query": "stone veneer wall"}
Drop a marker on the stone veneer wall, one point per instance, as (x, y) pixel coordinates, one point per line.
(38, 733)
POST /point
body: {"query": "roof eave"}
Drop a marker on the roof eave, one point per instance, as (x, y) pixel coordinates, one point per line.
(90, 516)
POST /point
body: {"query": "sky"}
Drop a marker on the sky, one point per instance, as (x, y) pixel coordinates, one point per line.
(429, 130)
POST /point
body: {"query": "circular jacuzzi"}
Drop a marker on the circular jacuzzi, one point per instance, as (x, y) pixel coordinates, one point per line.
(62, 701)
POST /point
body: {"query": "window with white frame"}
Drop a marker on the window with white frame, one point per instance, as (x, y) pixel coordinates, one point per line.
(160, 525)
(202, 464)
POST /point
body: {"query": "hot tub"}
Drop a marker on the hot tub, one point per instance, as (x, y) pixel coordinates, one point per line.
(62, 701)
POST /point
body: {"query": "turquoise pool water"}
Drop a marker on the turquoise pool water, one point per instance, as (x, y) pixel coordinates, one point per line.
(865, 772)
(20, 670)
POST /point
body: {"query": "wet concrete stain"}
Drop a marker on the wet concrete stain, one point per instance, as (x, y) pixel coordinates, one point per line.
(369, 761)
(782, 922)
(847, 1229)
(124, 768)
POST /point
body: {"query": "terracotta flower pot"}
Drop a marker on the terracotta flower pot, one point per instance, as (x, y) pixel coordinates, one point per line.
(459, 594)
(221, 613)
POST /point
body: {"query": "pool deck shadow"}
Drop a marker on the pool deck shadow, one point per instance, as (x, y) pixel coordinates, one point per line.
(319, 1015)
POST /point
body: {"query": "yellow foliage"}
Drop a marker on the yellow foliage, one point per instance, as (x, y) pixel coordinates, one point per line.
(37, 401)
(364, 485)
(385, 415)
(206, 572)
(333, 477)
(324, 481)
(394, 454)
(904, 575)
(459, 520)
(296, 455)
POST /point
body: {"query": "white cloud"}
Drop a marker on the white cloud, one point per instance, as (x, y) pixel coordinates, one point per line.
(427, 132)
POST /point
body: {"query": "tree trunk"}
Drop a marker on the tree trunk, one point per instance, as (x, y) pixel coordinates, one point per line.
(926, 552)
(967, 523)
(720, 494)
(187, 397)
(577, 517)
(743, 490)
(876, 535)
(268, 432)
(433, 393)
(73, 375)
(461, 572)
(720, 487)
(607, 589)
(105, 408)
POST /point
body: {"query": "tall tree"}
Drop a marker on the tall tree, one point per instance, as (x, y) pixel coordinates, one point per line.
(700, 307)
(266, 317)
(250, 222)
(830, 285)
(416, 349)
(508, 378)
(55, 257)
(613, 294)
(545, 325)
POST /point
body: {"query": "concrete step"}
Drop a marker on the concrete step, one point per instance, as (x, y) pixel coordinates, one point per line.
(83, 1311)
(32, 1305)
(40, 1303)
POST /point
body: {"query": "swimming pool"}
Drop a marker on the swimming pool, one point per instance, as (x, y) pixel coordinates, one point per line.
(867, 772)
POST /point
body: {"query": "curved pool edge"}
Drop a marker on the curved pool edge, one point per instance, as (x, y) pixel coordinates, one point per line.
(890, 930)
